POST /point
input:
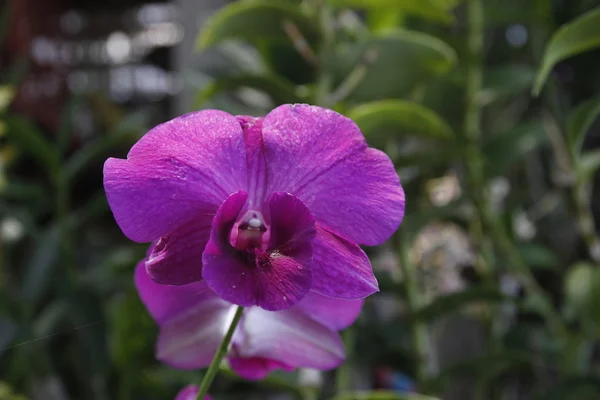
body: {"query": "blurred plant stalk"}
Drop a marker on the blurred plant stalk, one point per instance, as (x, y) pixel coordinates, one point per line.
(487, 222)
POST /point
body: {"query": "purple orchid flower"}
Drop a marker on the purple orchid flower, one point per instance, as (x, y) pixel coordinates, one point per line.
(263, 210)
(193, 321)
(189, 393)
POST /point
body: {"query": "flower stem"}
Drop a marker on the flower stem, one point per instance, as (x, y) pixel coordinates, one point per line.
(343, 378)
(474, 160)
(412, 290)
(325, 79)
(221, 351)
(489, 222)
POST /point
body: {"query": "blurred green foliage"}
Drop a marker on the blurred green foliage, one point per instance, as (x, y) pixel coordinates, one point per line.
(489, 111)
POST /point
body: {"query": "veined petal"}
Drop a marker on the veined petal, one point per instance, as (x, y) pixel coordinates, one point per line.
(176, 259)
(273, 280)
(336, 314)
(190, 340)
(257, 170)
(340, 268)
(292, 338)
(322, 157)
(165, 302)
(292, 226)
(179, 170)
(256, 368)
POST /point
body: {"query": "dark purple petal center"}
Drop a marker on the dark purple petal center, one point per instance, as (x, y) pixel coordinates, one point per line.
(253, 260)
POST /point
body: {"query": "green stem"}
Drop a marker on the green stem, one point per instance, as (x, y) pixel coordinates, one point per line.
(585, 218)
(472, 130)
(565, 157)
(474, 160)
(522, 271)
(221, 351)
(325, 80)
(412, 290)
(354, 78)
(487, 220)
(343, 378)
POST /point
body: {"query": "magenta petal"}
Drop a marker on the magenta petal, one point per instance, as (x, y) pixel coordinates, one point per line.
(281, 282)
(292, 226)
(340, 268)
(336, 314)
(257, 170)
(223, 269)
(189, 393)
(178, 170)
(256, 368)
(164, 301)
(190, 340)
(322, 157)
(292, 338)
(273, 281)
(192, 320)
(176, 259)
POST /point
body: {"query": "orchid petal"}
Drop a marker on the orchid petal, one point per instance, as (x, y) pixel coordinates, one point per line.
(340, 268)
(178, 171)
(190, 340)
(165, 301)
(189, 393)
(176, 259)
(256, 368)
(336, 314)
(291, 337)
(322, 157)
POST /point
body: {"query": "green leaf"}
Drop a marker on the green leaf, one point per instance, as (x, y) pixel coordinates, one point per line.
(504, 150)
(582, 294)
(578, 36)
(49, 318)
(505, 81)
(505, 12)
(538, 256)
(40, 265)
(127, 130)
(579, 122)
(7, 94)
(453, 302)
(255, 20)
(66, 119)
(474, 367)
(24, 134)
(8, 332)
(429, 158)
(583, 387)
(388, 118)
(403, 60)
(381, 395)
(384, 19)
(131, 331)
(587, 165)
(433, 10)
(280, 90)
(580, 283)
